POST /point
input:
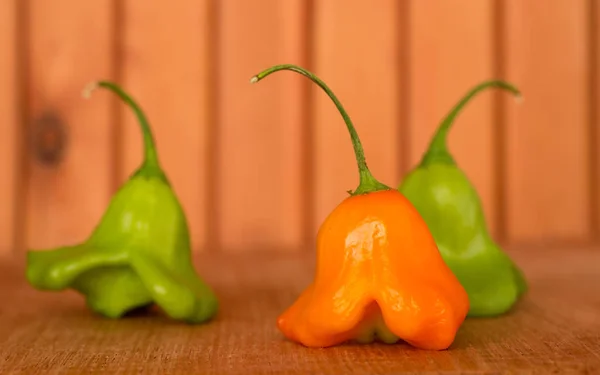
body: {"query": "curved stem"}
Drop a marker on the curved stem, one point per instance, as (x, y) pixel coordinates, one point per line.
(368, 183)
(438, 149)
(150, 156)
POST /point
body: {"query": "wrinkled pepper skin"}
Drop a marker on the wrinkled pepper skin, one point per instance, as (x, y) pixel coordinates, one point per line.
(379, 273)
(452, 209)
(139, 253)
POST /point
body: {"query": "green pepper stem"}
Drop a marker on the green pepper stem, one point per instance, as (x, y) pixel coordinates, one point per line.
(438, 148)
(150, 156)
(368, 183)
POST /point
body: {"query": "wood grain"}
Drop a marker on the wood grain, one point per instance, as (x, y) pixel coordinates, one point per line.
(356, 52)
(594, 102)
(173, 89)
(547, 145)
(8, 125)
(554, 329)
(260, 127)
(451, 51)
(70, 46)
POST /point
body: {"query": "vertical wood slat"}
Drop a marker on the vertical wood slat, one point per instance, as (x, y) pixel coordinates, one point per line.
(452, 51)
(70, 45)
(260, 126)
(547, 147)
(8, 125)
(356, 54)
(594, 103)
(166, 70)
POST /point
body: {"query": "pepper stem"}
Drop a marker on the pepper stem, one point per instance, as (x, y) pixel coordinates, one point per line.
(368, 183)
(150, 156)
(438, 148)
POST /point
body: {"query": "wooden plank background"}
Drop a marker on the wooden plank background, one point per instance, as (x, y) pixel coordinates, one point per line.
(258, 167)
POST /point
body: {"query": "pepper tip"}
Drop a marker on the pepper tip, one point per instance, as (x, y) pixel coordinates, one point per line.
(89, 88)
(254, 79)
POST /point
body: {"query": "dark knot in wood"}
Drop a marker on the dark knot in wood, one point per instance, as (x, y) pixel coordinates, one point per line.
(49, 139)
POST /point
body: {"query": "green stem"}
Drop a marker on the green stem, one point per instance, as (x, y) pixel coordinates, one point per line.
(150, 156)
(438, 148)
(368, 183)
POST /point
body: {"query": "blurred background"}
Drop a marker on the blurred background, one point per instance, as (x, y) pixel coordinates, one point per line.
(258, 167)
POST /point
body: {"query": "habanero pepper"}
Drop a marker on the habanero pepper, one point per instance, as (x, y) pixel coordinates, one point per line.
(379, 273)
(450, 205)
(138, 254)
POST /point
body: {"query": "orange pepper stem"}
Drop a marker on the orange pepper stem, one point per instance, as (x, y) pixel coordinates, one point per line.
(438, 149)
(150, 156)
(368, 183)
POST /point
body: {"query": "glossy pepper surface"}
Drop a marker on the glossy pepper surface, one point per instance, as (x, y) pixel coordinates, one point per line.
(139, 253)
(450, 205)
(379, 274)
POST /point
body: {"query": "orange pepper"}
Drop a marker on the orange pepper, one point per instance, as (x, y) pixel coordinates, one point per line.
(379, 272)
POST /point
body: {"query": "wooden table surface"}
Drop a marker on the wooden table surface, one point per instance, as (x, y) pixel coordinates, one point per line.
(555, 329)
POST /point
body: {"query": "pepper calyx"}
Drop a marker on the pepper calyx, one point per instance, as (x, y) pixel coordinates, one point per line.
(368, 184)
(434, 157)
(150, 171)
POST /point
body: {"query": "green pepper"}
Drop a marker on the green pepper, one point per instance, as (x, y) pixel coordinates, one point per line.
(452, 209)
(139, 254)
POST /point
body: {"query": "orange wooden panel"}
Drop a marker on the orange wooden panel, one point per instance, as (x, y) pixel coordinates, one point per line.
(260, 192)
(357, 55)
(547, 136)
(70, 45)
(8, 124)
(166, 70)
(452, 51)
